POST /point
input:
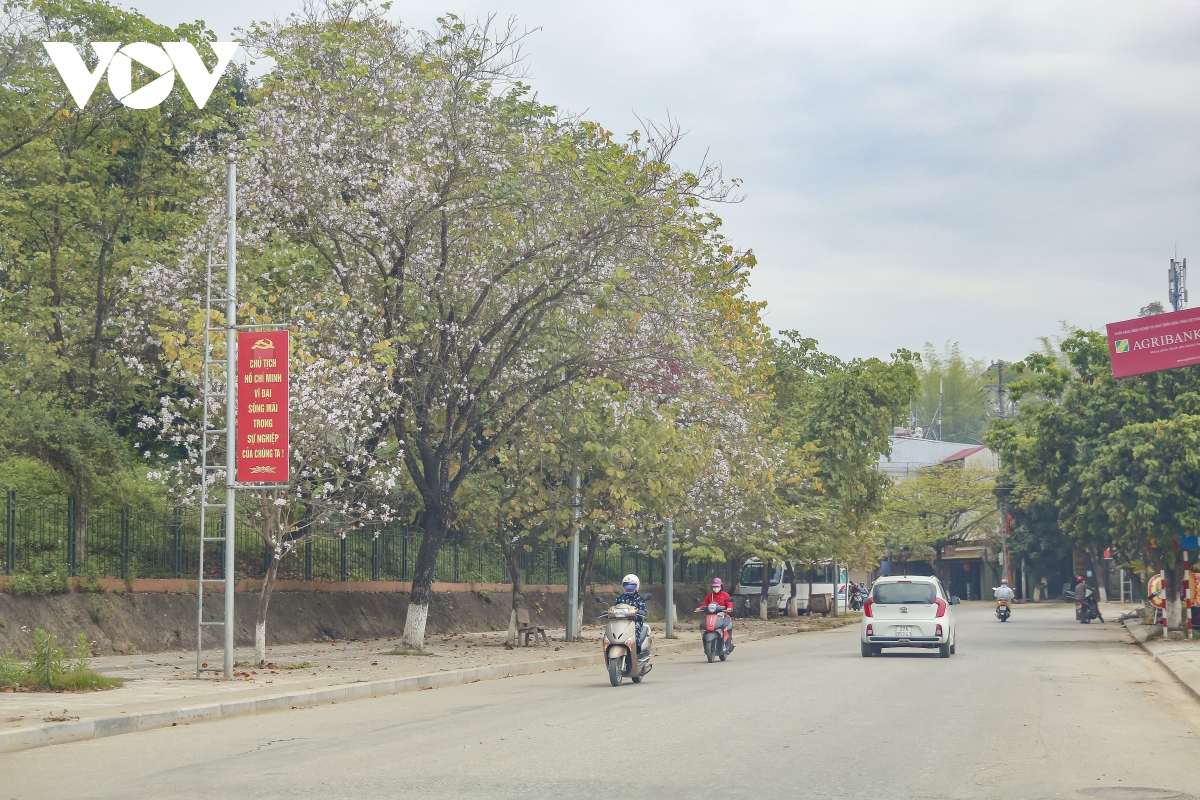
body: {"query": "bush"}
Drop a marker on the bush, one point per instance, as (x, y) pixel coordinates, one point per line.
(31, 584)
(51, 669)
(46, 660)
(90, 583)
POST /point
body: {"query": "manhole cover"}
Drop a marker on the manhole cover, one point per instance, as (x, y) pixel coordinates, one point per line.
(1134, 793)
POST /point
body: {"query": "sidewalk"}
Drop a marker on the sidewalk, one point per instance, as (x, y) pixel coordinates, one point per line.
(1181, 656)
(161, 689)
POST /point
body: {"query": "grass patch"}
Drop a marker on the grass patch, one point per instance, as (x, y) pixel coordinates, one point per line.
(85, 681)
(51, 669)
(298, 665)
(399, 652)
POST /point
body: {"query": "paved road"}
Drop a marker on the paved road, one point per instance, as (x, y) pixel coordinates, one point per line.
(1039, 707)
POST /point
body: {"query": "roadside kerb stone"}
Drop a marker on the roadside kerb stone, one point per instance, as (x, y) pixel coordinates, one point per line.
(115, 725)
(1182, 659)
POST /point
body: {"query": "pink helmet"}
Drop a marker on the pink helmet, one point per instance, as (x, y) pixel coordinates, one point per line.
(716, 584)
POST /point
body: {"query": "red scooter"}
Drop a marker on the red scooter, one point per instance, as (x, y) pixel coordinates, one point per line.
(718, 631)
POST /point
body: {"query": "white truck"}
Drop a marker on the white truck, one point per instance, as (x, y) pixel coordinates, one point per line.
(779, 587)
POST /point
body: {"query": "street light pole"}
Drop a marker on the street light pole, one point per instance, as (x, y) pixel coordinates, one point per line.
(573, 577)
(669, 600)
(230, 407)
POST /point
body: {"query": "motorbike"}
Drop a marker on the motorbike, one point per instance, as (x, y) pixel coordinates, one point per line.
(718, 631)
(1088, 610)
(856, 600)
(620, 645)
(1002, 610)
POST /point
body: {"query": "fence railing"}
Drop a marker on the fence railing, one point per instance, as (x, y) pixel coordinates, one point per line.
(148, 542)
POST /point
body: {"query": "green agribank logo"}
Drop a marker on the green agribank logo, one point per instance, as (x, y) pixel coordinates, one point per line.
(1122, 345)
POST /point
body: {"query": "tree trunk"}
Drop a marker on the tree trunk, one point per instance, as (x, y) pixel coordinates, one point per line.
(765, 587)
(585, 574)
(436, 524)
(810, 585)
(1171, 590)
(264, 600)
(81, 516)
(1101, 577)
(792, 609)
(514, 571)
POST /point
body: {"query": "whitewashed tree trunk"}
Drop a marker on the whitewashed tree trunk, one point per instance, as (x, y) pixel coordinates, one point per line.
(763, 596)
(414, 625)
(511, 641)
(260, 622)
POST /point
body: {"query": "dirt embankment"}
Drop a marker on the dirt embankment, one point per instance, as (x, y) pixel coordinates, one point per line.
(145, 622)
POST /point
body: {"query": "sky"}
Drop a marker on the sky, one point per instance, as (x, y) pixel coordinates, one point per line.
(911, 172)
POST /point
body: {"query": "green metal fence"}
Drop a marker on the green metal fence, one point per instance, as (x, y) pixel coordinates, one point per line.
(149, 542)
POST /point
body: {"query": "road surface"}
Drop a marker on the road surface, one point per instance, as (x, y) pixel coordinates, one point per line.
(1038, 707)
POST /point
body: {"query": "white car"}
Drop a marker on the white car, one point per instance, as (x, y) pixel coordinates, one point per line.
(912, 611)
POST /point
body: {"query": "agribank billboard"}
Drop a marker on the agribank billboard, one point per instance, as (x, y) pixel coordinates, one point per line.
(1150, 344)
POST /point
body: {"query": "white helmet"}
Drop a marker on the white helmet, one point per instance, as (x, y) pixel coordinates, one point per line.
(628, 579)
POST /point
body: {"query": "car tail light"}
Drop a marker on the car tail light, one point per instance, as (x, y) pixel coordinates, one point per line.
(941, 604)
(867, 606)
(939, 630)
(870, 630)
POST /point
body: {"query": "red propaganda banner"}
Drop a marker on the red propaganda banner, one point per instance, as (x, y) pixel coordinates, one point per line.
(262, 407)
(1150, 344)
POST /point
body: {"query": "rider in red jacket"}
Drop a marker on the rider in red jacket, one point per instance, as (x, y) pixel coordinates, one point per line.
(718, 596)
(722, 599)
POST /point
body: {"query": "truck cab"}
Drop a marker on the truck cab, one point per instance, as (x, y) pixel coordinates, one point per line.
(779, 587)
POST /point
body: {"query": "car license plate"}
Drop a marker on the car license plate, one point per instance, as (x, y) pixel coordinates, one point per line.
(904, 631)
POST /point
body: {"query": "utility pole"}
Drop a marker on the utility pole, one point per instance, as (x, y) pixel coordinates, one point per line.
(573, 577)
(1177, 284)
(939, 408)
(669, 578)
(999, 365)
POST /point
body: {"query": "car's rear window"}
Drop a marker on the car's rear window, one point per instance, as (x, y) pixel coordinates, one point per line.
(903, 593)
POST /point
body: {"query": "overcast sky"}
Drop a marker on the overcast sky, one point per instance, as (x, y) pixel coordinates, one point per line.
(912, 172)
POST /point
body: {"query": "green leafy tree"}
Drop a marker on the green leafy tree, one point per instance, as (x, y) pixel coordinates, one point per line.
(495, 251)
(835, 417)
(941, 505)
(1093, 442)
(86, 194)
(1144, 480)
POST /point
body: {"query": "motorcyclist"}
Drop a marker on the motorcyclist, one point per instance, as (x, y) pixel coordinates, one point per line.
(857, 592)
(721, 597)
(1086, 600)
(1004, 591)
(632, 597)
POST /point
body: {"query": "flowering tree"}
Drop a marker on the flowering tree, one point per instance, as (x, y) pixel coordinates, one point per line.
(344, 472)
(495, 251)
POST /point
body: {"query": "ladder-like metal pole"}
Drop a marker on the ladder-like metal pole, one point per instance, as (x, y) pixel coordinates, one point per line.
(230, 405)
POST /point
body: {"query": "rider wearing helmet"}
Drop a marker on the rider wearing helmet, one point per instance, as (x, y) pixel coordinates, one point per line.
(632, 597)
(1004, 591)
(721, 597)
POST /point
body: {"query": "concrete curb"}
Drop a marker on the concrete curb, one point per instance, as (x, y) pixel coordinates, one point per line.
(99, 727)
(1169, 654)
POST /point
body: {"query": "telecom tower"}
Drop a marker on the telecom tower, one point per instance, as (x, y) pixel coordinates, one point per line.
(1177, 284)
